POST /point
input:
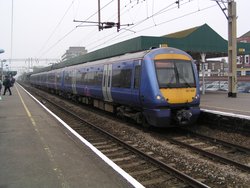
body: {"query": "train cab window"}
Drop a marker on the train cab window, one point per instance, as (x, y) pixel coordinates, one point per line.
(165, 73)
(185, 73)
(174, 73)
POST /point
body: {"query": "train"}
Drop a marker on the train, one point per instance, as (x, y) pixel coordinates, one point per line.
(157, 87)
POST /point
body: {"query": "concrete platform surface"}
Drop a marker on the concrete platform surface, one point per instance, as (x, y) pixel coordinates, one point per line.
(36, 152)
(219, 101)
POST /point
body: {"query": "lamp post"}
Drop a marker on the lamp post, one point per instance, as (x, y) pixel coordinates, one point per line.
(2, 51)
(2, 62)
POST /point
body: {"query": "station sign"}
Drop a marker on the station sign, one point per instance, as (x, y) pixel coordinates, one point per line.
(163, 45)
(241, 50)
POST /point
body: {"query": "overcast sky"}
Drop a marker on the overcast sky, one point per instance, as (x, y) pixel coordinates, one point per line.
(45, 28)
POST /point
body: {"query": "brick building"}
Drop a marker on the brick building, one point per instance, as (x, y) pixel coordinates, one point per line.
(73, 52)
(243, 64)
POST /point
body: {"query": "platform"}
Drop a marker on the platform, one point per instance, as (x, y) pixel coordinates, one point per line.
(219, 101)
(35, 151)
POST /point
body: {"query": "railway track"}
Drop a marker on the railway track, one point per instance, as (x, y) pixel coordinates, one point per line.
(145, 166)
(142, 165)
(219, 150)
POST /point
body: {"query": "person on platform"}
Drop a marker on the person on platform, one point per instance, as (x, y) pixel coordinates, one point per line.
(7, 85)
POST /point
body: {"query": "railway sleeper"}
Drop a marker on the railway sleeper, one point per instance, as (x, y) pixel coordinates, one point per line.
(132, 164)
(145, 171)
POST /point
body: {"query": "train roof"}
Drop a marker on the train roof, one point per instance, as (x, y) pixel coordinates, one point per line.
(127, 56)
(137, 44)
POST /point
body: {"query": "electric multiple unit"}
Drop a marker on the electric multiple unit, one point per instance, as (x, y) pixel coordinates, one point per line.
(157, 87)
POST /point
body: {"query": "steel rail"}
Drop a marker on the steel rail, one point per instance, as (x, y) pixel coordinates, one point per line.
(218, 141)
(210, 155)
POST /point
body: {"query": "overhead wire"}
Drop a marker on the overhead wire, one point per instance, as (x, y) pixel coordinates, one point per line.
(153, 3)
(68, 33)
(114, 38)
(179, 17)
(90, 35)
(51, 47)
(136, 24)
(57, 26)
(125, 29)
(123, 11)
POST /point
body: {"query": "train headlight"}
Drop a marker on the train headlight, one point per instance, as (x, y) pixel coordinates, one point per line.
(196, 97)
(158, 97)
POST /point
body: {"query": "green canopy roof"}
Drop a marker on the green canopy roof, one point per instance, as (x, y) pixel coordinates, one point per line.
(198, 40)
(203, 39)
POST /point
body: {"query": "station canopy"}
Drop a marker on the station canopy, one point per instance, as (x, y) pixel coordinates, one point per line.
(203, 39)
(197, 40)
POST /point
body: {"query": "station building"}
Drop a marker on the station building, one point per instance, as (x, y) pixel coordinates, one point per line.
(73, 52)
(243, 61)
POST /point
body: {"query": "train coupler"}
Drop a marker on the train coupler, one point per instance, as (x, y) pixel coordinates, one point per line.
(183, 117)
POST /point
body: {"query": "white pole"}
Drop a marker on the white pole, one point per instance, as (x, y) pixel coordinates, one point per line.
(203, 59)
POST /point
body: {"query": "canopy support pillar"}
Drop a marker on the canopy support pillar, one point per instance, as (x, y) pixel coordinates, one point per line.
(203, 60)
(232, 50)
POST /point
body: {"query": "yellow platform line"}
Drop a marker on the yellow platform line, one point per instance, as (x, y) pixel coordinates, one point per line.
(55, 167)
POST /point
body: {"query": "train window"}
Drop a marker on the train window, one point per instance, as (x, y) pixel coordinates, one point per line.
(122, 78)
(82, 81)
(58, 77)
(89, 78)
(98, 78)
(67, 78)
(165, 73)
(50, 77)
(137, 76)
(79, 78)
(185, 73)
(116, 78)
(175, 73)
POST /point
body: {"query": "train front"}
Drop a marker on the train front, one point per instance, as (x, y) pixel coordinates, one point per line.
(175, 95)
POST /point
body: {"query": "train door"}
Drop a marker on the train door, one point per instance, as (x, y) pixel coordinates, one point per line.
(73, 84)
(106, 82)
(135, 92)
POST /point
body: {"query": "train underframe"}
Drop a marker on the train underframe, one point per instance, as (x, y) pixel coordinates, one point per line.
(162, 117)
